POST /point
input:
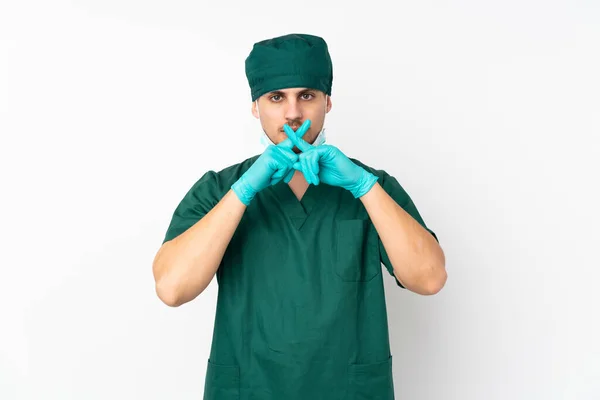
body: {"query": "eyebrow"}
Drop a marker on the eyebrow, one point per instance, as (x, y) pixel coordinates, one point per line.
(280, 93)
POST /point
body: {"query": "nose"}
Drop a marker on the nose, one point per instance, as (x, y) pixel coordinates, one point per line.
(293, 111)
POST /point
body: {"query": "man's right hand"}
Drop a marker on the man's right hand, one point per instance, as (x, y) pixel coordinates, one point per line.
(273, 165)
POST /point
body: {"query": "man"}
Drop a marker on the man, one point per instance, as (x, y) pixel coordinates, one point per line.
(296, 237)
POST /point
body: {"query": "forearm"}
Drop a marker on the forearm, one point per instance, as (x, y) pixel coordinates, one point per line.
(417, 258)
(185, 266)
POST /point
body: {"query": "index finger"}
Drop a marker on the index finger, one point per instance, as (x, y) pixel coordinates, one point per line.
(288, 143)
(296, 140)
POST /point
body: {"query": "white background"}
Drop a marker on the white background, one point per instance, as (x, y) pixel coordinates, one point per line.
(487, 112)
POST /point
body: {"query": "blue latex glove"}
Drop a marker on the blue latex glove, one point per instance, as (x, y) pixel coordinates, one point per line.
(327, 164)
(273, 165)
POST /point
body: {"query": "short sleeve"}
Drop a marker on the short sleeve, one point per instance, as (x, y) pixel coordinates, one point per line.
(397, 192)
(196, 203)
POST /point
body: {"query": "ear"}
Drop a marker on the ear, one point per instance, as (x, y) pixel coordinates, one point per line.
(254, 110)
(328, 104)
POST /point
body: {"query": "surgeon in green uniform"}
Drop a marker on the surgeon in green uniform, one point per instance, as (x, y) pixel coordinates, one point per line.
(296, 237)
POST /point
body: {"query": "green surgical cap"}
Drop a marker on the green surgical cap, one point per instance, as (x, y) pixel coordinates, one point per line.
(294, 60)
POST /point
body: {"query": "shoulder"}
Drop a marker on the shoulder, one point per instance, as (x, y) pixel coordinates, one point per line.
(382, 174)
(388, 182)
(232, 173)
(218, 182)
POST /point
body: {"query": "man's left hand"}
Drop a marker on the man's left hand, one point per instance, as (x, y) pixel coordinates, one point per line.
(327, 164)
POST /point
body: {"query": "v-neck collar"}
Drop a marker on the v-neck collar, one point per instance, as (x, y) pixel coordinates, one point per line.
(296, 210)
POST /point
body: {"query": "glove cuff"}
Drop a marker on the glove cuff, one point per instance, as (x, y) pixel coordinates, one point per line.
(365, 183)
(243, 190)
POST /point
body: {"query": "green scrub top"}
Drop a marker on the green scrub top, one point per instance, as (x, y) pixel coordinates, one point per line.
(301, 310)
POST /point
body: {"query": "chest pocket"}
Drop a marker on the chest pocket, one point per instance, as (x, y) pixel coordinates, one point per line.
(356, 253)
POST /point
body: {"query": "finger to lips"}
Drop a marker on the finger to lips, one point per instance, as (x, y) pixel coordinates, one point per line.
(288, 143)
(296, 140)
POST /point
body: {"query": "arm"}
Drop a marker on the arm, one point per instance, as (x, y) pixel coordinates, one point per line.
(184, 266)
(418, 260)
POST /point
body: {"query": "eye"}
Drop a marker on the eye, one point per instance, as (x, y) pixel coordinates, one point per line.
(273, 97)
(307, 94)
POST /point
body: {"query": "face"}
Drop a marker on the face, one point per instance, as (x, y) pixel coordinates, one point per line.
(293, 107)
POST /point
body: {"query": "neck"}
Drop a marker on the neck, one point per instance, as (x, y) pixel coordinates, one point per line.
(298, 184)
